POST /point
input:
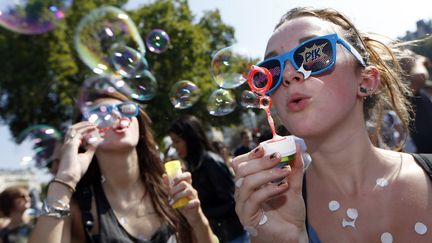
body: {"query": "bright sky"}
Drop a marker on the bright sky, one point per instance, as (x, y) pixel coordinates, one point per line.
(254, 21)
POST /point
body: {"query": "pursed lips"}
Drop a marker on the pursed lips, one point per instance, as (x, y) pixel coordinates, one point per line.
(297, 102)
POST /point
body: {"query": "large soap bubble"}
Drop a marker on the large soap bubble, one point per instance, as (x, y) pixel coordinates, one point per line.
(221, 102)
(141, 87)
(32, 16)
(94, 85)
(100, 32)
(230, 66)
(43, 139)
(127, 62)
(184, 94)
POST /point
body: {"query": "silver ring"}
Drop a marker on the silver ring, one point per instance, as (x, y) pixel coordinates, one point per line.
(263, 219)
(72, 134)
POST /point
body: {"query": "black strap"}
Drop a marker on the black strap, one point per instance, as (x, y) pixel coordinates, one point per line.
(304, 192)
(84, 197)
(425, 161)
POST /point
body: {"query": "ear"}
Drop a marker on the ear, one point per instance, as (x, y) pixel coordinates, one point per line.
(370, 81)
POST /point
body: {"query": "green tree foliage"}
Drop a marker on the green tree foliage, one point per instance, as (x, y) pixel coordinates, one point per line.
(41, 74)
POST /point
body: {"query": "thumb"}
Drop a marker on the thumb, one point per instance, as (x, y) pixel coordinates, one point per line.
(90, 151)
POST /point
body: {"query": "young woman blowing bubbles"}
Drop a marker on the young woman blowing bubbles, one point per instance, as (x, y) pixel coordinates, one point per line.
(328, 78)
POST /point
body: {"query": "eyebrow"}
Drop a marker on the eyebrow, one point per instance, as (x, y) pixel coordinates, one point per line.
(301, 40)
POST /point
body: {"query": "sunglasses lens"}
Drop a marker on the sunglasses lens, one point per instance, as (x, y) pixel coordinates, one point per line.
(101, 117)
(275, 69)
(128, 109)
(315, 55)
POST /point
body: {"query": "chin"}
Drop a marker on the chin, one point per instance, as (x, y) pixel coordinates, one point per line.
(303, 129)
(117, 145)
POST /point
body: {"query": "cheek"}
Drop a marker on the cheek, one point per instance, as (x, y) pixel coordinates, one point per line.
(134, 129)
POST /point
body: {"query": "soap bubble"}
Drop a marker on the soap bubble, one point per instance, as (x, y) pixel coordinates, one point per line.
(221, 102)
(101, 31)
(32, 17)
(98, 84)
(184, 94)
(230, 66)
(157, 41)
(141, 87)
(43, 139)
(249, 99)
(127, 61)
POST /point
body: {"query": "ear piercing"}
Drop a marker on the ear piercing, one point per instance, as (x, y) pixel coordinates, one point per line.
(365, 90)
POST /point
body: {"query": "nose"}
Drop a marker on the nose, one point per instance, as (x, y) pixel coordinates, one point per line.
(116, 114)
(291, 75)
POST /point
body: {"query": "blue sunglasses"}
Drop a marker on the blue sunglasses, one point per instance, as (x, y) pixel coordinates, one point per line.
(102, 117)
(311, 57)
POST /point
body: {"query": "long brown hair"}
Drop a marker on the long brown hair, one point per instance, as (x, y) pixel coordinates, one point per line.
(151, 170)
(393, 92)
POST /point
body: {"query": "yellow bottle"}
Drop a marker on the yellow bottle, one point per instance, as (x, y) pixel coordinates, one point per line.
(173, 169)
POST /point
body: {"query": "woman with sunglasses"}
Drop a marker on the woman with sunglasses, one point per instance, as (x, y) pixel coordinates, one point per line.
(111, 189)
(327, 80)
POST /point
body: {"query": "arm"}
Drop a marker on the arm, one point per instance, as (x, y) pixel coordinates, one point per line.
(51, 229)
(72, 167)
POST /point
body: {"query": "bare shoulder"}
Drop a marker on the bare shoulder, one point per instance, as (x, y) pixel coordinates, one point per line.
(409, 172)
(413, 174)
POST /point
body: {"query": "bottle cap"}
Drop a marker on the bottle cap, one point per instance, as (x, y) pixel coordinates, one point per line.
(173, 168)
(285, 146)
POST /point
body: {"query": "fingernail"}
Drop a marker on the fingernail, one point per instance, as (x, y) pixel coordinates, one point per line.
(284, 167)
(281, 183)
(171, 202)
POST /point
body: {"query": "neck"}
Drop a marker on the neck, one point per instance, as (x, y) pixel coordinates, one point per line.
(344, 159)
(120, 170)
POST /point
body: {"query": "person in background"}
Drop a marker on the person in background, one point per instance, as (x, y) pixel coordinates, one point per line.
(415, 67)
(210, 177)
(112, 189)
(224, 152)
(246, 143)
(14, 202)
(328, 79)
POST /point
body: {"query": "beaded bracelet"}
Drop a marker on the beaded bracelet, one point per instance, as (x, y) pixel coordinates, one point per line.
(68, 185)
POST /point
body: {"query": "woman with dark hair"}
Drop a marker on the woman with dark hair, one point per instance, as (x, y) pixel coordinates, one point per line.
(112, 189)
(210, 177)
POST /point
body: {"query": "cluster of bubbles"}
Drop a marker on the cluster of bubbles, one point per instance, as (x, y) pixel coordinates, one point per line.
(42, 139)
(108, 42)
(230, 68)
